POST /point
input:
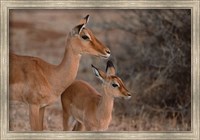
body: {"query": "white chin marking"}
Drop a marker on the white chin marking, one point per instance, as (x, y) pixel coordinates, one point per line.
(127, 97)
(106, 56)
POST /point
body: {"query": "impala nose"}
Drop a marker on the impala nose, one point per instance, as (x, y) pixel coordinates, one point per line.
(107, 51)
(128, 96)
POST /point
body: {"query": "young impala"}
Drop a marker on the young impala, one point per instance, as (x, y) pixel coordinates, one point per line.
(92, 111)
(38, 83)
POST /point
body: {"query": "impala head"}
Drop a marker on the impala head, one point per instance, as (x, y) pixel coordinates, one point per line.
(112, 84)
(84, 41)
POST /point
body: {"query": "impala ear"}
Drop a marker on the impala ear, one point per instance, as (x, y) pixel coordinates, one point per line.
(110, 69)
(77, 29)
(84, 20)
(80, 26)
(98, 73)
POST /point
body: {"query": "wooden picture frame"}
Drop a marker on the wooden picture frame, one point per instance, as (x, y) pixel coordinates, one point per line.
(7, 5)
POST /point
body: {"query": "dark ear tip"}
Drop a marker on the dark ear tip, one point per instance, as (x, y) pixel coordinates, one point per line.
(87, 17)
(110, 63)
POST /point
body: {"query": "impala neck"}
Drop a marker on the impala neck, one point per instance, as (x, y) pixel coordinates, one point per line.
(105, 106)
(66, 71)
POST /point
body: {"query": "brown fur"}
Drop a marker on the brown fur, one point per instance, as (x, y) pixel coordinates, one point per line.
(91, 110)
(39, 83)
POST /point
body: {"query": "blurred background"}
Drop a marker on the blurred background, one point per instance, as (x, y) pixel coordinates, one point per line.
(151, 50)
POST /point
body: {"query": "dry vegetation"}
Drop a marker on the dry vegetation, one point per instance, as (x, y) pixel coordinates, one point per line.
(150, 48)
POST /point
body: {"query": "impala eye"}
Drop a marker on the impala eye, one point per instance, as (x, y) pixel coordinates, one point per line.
(85, 37)
(115, 85)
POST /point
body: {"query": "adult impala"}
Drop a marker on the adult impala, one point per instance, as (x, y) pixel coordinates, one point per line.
(38, 83)
(92, 111)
